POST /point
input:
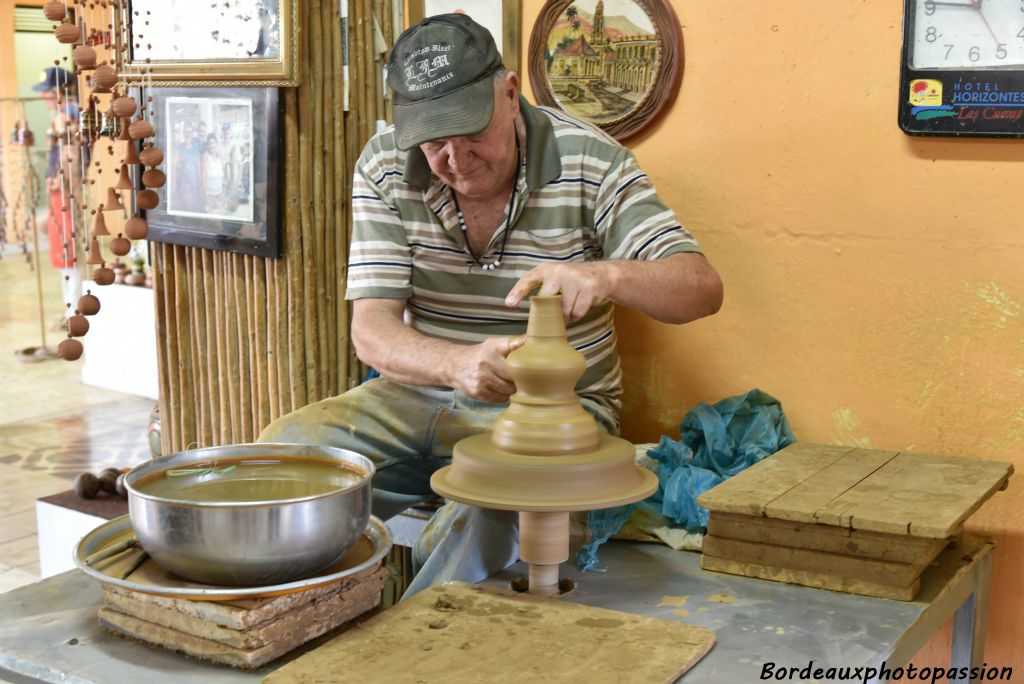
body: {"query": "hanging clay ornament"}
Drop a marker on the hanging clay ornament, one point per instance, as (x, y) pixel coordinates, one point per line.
(113, 202)
(124, 106)
(120, 246)
(154, 178)
(124, 181)
(136, 228)
(55, 10)
(70, 349)
(147, 199)
(120, 270)
(89, 304)
(95, 256)
(152, 156)
(131, 154)
(103, 276)
(99, 228)
(77, 325)
(123, 133)
(140, 129)
(68, 33)
(104, 78)
(84, 57)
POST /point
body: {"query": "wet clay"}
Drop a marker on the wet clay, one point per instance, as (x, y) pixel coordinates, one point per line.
(546, 455)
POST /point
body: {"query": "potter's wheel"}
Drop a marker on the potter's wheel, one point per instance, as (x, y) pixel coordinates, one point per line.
(150, 578)
(546, 455)
(494, 478)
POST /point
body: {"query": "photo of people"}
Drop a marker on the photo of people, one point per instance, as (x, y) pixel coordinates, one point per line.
(209, 158)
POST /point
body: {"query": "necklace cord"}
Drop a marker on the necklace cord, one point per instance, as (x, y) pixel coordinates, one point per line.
(508, 218)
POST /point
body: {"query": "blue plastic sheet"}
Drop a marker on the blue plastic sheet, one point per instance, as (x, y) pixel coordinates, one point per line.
(716, 443)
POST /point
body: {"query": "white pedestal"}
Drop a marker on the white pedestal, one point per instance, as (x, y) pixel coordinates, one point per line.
(60, 530)
(120, 347)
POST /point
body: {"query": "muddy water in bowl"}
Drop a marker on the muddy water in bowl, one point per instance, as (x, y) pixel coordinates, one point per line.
(252, 514)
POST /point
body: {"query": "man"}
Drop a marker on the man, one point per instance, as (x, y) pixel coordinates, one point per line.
(471, 201)
(57, 88)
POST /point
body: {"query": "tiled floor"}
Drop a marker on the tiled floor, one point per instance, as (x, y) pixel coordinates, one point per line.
(52, 427)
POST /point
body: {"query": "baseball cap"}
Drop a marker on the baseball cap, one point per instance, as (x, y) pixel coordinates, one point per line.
(440, 71)
(54, 77)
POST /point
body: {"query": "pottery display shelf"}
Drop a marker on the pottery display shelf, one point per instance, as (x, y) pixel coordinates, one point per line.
(859, 521)
(546, 455)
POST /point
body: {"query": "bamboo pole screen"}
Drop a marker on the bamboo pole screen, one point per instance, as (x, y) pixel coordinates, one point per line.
(243, 340)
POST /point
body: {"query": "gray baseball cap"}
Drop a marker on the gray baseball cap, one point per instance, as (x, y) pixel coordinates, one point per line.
(441, 73)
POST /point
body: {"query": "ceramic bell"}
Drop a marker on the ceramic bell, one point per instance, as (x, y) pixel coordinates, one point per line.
(99, 228)
(113, 202)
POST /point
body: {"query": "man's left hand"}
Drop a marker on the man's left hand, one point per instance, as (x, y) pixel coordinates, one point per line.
(581, 285)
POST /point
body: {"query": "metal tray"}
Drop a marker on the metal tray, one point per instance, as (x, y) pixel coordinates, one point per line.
(150, 578)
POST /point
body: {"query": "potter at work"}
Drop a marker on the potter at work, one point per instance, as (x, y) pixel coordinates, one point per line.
(472, 201)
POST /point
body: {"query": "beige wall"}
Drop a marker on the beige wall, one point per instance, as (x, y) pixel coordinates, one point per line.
(873, 280)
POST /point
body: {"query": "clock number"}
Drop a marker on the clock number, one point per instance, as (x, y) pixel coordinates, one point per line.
(929, 7)
(932, 34)
(949, 48)
(974, 53)
(1001, 51)
(1020, 34)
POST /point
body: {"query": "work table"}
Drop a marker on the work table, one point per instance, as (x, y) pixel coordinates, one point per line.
(50, 633)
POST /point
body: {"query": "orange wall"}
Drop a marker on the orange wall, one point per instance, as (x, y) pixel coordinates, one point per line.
(873, 281)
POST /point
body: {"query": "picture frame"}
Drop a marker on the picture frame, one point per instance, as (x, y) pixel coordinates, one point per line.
(500, 17)
(619, 71)
(248, 42)
(222, 160)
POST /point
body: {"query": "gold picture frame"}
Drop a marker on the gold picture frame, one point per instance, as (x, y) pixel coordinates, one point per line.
(507, 11)
(252, 43)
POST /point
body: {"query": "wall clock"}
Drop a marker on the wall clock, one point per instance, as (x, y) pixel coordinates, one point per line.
(962, 71)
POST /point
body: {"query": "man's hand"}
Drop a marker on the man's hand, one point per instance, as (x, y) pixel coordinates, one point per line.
(582, 285)
(482, 372)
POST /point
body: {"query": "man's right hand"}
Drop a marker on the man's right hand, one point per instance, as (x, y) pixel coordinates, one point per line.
(482, 371)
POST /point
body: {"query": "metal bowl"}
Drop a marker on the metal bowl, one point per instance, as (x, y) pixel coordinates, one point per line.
(243, 542)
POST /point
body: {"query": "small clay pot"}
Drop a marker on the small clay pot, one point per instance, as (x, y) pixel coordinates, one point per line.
(70, 349)
(140, 129)
(152, 156)
(120, 246)
(124, 106)
(89, 304)
(68, 33)
(147, 199)
(87, 485)
(77, 325)
(55, 10)
(135, 279)
(136, 228)
(84, 57)
(154, 178)
(104, 78)
(103, 276)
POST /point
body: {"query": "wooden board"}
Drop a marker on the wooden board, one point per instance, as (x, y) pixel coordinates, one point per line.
(809, 578)
(849, 567)
(312, 617)
(896, 493)
(817, 537)
(463, 633)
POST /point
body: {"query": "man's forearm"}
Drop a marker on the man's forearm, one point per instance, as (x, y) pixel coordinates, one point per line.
(678, 289)
(400, 353)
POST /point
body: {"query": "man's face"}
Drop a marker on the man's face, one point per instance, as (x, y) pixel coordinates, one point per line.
(201, 131)
(480, 166)
(50, 99)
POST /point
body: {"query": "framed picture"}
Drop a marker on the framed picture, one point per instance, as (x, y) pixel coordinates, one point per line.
(222, 158)
(230, 42)
(615, 63)
(500, 17)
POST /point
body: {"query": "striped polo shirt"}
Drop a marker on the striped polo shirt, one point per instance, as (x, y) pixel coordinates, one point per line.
(580, 197)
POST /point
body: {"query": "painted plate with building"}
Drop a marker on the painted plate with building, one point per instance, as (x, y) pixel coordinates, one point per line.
(600, 60)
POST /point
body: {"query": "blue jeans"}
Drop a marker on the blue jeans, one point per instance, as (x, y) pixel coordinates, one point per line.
(409, 432)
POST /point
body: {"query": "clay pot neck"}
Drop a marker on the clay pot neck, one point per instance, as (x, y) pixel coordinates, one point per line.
(546, 319)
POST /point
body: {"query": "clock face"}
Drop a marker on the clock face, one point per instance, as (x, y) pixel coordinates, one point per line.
(968, 34)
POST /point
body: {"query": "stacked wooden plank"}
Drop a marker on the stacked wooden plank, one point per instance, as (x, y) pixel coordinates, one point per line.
(847, 519)
(242, 633)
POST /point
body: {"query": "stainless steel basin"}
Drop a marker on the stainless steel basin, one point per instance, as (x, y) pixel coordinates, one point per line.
(247, 540)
